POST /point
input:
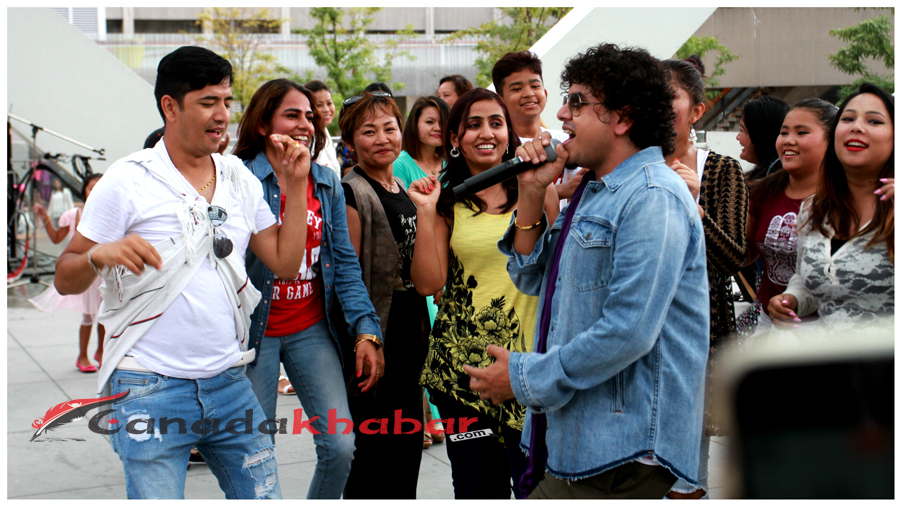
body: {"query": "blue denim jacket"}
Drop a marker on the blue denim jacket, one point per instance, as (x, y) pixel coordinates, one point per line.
(623, 375)
(338, 262)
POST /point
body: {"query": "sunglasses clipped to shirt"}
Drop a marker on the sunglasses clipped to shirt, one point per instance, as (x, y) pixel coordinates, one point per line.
(353, 99)
(222, 245)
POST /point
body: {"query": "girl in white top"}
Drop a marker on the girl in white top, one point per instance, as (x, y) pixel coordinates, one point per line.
(88, 303)
(325, 106)
(60, 202)
(845, 252)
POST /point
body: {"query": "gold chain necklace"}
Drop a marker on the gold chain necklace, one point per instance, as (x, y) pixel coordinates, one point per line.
(208, 183)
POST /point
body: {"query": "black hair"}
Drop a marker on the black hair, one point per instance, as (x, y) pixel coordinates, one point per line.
(511, 63)
(832, 204)
(154, 137)
(762, 118)
(377, 86)
(187, 69)
(688, 74)
(460, 83)
(633, 83)
(767, 187)
(411, 142)
(315, 86)
(457, 169)
(87, 180)
(265, 101)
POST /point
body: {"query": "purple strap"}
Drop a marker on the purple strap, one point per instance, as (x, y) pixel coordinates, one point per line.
(537, 455)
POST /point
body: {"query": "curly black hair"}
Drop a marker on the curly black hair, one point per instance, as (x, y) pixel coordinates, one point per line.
(631, 82)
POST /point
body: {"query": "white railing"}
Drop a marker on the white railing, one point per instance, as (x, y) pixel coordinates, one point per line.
(144, 51)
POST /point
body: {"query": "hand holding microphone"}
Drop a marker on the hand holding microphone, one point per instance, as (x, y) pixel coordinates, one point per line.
(527, 158)
(544, 167)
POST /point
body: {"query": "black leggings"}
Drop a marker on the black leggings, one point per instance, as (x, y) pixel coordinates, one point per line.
(386, 466)
(482, 467)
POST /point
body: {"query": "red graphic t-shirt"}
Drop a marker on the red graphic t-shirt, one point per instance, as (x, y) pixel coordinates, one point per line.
(776, 242)
(298, 304)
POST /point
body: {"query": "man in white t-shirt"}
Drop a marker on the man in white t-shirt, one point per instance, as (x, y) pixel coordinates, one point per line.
(519, 80)
(189, 214)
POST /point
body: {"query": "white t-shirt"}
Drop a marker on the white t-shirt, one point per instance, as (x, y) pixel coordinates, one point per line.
(328, 156)
(195, 337)
(60, 202)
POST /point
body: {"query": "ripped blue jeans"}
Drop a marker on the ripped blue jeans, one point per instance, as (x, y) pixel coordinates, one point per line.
(162, 417)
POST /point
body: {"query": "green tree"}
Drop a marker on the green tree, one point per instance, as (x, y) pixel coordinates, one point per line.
(869, 40)
(338, 44)
(238, 35)
(516, 30)
(702, 45)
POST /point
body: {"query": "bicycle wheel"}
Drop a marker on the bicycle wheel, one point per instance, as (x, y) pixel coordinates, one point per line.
(17, 248)
(18, 230)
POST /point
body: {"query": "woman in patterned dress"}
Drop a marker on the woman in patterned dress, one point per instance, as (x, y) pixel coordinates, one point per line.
(480, 305)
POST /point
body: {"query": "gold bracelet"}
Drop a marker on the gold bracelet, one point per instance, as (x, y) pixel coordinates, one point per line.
(535, 225)
(365, 337)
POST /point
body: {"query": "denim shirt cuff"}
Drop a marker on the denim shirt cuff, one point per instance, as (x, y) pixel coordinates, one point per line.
(370, 326)
(507, 247)
(517, 381)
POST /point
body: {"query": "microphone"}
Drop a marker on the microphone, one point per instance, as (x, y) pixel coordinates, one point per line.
(500, 173)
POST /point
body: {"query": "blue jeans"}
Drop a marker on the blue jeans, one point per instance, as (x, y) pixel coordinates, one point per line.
(312, 364)
(198, 414)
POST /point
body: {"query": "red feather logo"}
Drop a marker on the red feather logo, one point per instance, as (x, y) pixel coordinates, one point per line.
(69, 411)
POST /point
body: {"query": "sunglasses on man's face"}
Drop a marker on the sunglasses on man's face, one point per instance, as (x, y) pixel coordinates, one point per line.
(575, 101)
(222, 245)
(353, 99)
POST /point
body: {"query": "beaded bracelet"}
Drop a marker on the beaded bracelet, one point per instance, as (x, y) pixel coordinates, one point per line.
(91, 261)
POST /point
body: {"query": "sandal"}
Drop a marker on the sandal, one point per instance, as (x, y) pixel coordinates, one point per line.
(438, 438)
(426, 442)
(285, 387)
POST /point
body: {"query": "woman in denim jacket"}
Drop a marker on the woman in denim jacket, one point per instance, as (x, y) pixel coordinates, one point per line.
(291, 324)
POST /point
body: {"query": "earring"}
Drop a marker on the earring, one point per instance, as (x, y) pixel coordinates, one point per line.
(507, 148)
(693, 136)
(454, 152)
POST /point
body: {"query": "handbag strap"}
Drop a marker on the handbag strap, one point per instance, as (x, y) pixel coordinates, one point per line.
(747, 286)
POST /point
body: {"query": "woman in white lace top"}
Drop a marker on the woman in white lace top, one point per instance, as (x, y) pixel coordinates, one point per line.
(845, 257)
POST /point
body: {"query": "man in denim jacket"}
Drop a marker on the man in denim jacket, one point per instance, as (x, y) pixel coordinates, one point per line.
(615, 387)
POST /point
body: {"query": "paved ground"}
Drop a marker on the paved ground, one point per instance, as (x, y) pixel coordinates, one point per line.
(41, 350)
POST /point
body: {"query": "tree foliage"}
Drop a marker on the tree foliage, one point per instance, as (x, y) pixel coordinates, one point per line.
(517, 30)
(870, 40)
(238, 36)
(338, 44)
(702, 45)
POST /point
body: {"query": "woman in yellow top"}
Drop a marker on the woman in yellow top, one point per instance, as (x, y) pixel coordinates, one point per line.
(480, 305)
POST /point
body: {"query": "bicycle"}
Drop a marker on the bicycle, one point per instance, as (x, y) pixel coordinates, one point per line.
(21, 232)
(20, 225)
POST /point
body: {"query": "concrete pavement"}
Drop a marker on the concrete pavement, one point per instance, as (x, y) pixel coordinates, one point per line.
(41, 373)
